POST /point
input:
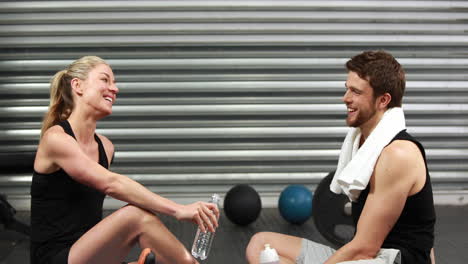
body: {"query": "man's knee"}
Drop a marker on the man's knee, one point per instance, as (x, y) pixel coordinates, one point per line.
(259, 238)
(256, 244)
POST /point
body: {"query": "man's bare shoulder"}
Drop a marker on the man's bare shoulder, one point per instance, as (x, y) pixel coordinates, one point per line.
(401, 151)
(399, 163)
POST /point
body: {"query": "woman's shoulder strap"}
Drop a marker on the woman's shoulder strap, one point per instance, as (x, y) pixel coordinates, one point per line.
(67, 128)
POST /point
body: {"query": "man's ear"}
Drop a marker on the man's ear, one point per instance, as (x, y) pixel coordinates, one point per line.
(384, 100)
(76, 86)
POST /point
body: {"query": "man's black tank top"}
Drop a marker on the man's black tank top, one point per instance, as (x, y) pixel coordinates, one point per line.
(62, 210)
(413, 233)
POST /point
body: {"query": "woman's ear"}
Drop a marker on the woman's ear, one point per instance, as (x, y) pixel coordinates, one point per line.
(76, 86)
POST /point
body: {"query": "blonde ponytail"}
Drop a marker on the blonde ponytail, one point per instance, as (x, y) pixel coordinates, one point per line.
(61, 98)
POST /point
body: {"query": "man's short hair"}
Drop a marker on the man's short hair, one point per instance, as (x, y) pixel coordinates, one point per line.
(383, 72)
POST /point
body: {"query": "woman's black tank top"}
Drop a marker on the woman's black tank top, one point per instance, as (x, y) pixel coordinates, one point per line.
(413, 233)
(62, 210)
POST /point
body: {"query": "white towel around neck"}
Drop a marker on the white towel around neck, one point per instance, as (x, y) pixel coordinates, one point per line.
(355, 165)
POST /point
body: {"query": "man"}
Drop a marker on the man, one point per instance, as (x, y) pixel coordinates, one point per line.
(394, 207)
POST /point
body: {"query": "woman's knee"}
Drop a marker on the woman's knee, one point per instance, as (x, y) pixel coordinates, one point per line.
(188, 259)
(136, 217)
(183, 258)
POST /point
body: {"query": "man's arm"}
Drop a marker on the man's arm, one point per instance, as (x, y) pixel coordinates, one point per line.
(398, 173)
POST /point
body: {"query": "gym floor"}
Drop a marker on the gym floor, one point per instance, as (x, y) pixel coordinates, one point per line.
(228, 248)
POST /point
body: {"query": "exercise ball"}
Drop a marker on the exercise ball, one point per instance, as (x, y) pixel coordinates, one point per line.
(242, 204)
(295, 204)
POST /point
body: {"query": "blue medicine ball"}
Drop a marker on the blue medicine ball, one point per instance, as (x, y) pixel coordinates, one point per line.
(295, 204)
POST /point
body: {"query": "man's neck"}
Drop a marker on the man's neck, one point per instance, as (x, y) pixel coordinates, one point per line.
(369, 126)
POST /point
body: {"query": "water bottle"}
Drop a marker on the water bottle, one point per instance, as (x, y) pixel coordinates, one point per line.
(269, 255)
(202, 242)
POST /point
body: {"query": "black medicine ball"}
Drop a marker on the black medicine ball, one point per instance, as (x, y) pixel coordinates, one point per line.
(242, 204)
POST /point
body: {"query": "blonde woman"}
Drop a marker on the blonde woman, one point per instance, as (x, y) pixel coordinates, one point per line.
(71, 178)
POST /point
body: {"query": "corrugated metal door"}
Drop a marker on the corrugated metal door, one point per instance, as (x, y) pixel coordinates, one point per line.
(214, 93)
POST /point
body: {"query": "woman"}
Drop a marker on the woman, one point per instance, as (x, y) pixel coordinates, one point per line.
(71, 179)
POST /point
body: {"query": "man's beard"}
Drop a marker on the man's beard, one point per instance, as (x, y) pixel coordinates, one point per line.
(362, 118)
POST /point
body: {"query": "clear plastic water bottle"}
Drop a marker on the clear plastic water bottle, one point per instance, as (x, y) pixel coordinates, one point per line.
(269, 255)
(203, 240)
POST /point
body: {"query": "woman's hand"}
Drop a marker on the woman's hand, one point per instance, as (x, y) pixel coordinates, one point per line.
(205, 215)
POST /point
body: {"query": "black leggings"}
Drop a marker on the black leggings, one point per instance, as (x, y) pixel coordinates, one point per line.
(61, 257)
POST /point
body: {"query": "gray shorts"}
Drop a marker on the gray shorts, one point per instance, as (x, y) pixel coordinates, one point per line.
(315, 253)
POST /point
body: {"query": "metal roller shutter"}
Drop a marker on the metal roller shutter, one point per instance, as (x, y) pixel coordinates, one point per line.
(215, 93)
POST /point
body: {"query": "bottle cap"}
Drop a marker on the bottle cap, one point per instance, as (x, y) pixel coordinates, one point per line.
(215, 198)
(268, 255)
